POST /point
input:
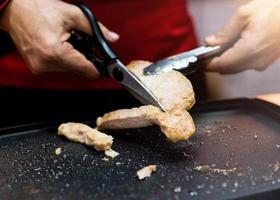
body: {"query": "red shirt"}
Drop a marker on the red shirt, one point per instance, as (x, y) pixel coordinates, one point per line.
(149, 30)
(3, 3)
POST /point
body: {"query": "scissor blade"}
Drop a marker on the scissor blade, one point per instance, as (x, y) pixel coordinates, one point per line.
(134, 85)
(181, 61)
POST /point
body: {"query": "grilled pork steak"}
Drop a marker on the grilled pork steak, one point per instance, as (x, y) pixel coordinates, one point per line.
(173, 89)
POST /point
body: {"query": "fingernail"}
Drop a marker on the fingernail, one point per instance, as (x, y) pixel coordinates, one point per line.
(211, 39)
(113, 36)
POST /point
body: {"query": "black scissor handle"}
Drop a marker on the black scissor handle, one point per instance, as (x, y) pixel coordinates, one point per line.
(95, 47)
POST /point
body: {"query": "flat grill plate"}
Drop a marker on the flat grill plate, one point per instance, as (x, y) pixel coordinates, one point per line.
(242, 134)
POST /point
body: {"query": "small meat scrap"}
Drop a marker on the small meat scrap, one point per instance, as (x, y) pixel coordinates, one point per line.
(208, 169)
(111, 153)
(58, 151)
(146, 172)
(82, 133)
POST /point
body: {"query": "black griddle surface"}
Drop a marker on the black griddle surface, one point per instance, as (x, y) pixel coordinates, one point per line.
(244, 137)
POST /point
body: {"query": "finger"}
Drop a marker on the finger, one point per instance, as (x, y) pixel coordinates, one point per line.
(80, 22)
(233, 60)
(232, 30)
(109, 35)
(73, 61)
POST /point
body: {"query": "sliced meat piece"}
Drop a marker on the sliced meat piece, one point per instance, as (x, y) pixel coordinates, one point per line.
(128, 118)
(146, 172)
(82, 133)
(176, 125)
(173, 89)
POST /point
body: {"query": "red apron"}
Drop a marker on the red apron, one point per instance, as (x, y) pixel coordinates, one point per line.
(149, 30)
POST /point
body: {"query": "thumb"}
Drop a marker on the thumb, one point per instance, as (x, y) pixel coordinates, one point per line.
(232, 30)
(80, 22)
(109, 35)
(70, 60)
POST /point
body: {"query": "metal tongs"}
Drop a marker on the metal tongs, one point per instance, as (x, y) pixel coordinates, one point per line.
(97, 50)
(187, 62)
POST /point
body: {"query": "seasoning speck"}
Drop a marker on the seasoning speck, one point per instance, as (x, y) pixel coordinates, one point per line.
(256, 137)
(224, 184)
(177, 189)
(58, 151)
(192, 193)
(235, 184)
(105, 159)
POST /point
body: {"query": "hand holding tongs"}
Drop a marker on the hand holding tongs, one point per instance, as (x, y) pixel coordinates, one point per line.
(97, 50)
(187, 62)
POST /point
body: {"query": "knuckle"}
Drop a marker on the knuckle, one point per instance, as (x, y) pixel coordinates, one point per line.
(36, 65)
(243, 12)
(251, 47)
(47, 52)
(89, 71)
(37, 69)
(259, 67)
(75, 11)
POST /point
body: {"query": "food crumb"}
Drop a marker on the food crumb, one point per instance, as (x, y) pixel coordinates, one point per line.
(111, 153)
(146, 172)
(105, 159)
(58, 151)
